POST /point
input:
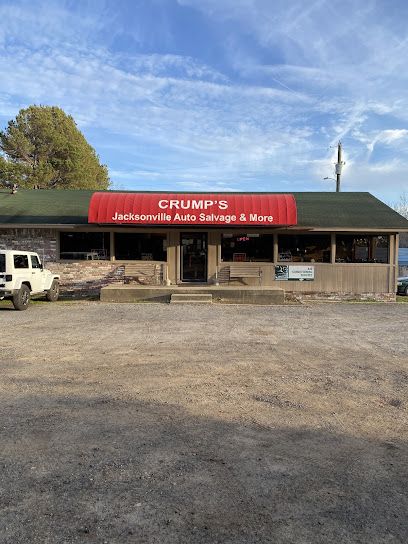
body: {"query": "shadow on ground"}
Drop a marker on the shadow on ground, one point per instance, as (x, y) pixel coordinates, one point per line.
(99, 469)
(6, 305)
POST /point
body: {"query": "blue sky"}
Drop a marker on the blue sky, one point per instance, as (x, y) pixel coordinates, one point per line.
(220, 94)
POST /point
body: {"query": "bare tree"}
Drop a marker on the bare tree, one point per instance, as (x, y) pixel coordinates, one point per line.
(402, 208)
(402, 205)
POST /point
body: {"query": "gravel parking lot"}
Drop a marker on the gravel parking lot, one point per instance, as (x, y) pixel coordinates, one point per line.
(218, 424)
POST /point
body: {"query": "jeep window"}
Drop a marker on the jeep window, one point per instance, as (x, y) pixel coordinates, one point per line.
(2, 262)
(35, 263)
(20, 261)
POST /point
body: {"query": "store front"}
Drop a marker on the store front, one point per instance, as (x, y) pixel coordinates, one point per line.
(194, 226)
(312, 245)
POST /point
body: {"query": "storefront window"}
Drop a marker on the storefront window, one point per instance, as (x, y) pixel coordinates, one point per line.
(361, 248)
(247, 247)
(140, 247)
(309, 248)
(82, 246)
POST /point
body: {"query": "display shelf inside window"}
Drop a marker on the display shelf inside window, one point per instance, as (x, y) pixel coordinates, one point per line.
(85, 246)
(304, 248)
(360, 248)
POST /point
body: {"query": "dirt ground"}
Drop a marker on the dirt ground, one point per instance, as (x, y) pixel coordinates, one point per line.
(217, 424)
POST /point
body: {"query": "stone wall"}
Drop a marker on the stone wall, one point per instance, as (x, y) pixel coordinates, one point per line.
(42, 241)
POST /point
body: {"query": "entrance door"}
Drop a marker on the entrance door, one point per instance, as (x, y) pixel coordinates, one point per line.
(193, 256)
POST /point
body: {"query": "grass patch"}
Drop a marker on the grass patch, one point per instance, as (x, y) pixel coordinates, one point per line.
(402, 299)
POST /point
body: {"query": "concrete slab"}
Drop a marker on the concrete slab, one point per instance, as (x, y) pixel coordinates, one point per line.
(220, 294)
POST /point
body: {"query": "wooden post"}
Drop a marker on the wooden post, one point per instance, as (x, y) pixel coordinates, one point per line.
(333, 248)
(275, 249)
(112, 245)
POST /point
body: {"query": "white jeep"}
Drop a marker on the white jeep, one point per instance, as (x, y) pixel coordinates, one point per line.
(23, 275)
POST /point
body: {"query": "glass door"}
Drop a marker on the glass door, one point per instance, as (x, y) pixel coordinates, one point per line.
(193, 256)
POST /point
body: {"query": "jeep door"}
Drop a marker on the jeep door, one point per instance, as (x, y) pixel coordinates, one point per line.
(37, 276)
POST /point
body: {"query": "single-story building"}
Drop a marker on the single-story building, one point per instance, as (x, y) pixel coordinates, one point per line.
(311, 244)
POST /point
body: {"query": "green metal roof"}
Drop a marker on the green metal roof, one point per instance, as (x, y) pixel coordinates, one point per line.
(315, 209)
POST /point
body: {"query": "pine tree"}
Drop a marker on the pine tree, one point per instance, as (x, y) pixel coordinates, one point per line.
(42, 147)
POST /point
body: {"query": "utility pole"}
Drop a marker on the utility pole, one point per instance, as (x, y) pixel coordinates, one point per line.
(339, 165)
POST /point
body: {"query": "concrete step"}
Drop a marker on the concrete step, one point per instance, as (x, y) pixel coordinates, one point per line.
(191, 298)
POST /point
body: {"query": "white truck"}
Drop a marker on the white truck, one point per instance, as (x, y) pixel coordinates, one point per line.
(23, 275)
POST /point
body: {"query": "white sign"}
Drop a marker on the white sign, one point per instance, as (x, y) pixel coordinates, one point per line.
(301, 273)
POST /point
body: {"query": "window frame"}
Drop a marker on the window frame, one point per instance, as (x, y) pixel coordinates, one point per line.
(162, 234)
(240, 255)
(370, 237)
(25, 257)
(35, 267)
(94, 251)
(299, 235)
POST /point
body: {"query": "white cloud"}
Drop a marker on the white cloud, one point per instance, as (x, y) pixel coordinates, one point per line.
(207, 186)
(387, 137)
(386, 179)
(235, 127)
(315, 78)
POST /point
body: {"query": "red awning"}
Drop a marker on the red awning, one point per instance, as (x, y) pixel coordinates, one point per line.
(192, 209)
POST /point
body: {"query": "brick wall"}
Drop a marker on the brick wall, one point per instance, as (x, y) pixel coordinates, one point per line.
(292, 296)
(84, 279)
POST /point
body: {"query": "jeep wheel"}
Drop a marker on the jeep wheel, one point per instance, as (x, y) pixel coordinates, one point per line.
(21, 299)
(53, 294)
(406, 290)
